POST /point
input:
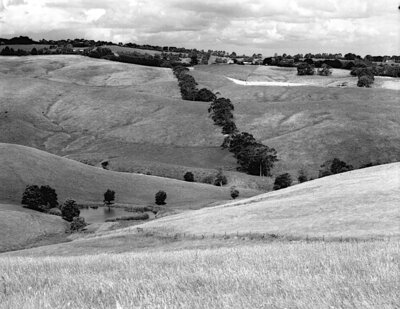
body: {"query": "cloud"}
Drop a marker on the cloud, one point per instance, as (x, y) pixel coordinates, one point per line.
(289, 26)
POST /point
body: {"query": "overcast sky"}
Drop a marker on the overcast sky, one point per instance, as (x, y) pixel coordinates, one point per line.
(245, 26)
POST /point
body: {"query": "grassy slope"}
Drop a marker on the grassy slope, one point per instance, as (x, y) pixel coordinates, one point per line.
(23, 165)
(21, 227)
(308, 125)
(362, 203)
(276, 275)
(92, 110)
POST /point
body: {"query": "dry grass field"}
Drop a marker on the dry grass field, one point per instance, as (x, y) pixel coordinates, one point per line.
(362, 203)
(20, 227)
(308, 125)
(23, 165)
(276, 275)
(93, 110)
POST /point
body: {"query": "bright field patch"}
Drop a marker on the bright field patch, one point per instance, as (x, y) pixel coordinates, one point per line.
(276, 275)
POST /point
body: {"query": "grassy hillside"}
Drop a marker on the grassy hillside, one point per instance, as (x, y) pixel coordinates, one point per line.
(308, 125)
(94, 110)
(276, 275)
(20, 227)
(23, 165)
(362, 203)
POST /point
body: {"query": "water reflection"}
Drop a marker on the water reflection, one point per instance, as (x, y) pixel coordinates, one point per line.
(101, 214)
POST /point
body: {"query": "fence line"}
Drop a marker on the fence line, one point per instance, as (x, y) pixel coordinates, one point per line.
(267, 237)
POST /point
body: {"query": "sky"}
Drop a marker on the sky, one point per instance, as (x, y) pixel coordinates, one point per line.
(244, 26)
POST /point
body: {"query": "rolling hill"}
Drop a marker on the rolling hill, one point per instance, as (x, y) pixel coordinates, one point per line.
(24, 165)
(308, 125)
(93, 110)
(361, 203)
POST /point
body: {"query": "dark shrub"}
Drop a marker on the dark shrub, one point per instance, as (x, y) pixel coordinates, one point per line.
(188, 177)
(282, 181)
(234, 193)
(325, 70)
(334, 166)
(77, 224)
(365, 81)
(302, 176)
(54, 212)
(305, 69)
(70, 210)
(161, 196)
(220, 179)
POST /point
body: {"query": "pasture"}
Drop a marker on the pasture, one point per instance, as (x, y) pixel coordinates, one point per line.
(308, 125)
(274, 275)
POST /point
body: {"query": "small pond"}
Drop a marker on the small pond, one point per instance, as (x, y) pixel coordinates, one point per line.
(101, 214)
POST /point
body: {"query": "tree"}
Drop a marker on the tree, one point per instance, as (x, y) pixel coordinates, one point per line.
(49, 197)
(70, 210)
(282, 181)
(32, 197)
(205, 95)
(335, 166)
(324, 70)
(194, 60)
(220, 179)
(161, 196)
(234, 192)
(304, 68)
(34, 51)
(189, 177)
(365, 81)
(77, 224)
(257, 160)
(109, 197)
(302, 176)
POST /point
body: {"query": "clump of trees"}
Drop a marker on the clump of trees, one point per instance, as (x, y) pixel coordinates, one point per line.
(325, 70)
(39, 198)
(161, 196)
(365, 75)
(335, 166)
(304, 68)
(282, 181)
(70, 210)
(252, 156)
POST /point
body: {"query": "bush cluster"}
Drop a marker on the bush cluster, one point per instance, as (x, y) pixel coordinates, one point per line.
(39, 198)
(282, 181)
(334, 166)
(304, 68)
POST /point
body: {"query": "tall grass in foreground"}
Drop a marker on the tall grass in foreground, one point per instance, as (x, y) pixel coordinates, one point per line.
(273, 275)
